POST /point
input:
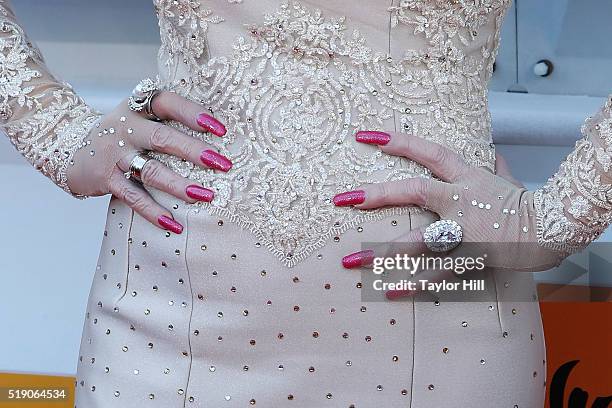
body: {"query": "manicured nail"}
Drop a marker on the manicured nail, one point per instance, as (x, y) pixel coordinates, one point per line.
(199, 193)
(350, 198)
(358, 259)
(170, 224)
(215, 161)
(373, 137)
(398, 294)
(211, 125)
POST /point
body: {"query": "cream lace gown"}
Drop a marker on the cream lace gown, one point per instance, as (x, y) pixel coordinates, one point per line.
(250, 306)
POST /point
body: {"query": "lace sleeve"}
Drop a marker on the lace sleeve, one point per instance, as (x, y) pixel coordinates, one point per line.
(43, 117)
(575, 206)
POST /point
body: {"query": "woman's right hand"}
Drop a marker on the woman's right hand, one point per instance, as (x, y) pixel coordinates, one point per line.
(100, 166)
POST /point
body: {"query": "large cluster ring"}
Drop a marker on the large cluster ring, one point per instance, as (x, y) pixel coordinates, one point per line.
(443, 235)
(142, 97)
(136, 166)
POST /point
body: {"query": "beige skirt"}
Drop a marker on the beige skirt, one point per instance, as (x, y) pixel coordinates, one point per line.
(211, 318)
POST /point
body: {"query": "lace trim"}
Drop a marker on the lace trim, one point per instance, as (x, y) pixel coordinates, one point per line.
(293, 94)
(44, 119)
(70, 137)
(183, 26)
(575, 206)
(288, 258)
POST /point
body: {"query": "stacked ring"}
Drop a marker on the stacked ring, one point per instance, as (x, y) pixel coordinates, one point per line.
(136, 166)
(142, 97)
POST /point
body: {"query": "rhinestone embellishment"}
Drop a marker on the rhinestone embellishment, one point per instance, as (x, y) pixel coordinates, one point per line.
(443, 235)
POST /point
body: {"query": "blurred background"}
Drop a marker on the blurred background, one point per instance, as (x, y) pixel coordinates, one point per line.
(553, 70)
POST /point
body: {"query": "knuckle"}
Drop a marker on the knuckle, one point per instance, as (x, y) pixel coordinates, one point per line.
(161, 138)
(139, 203)
(420, 189)
(455, 172)
(191, 149)
(403, 144)
(384, 191)
(128, 195)
(183, 109)
(173, 185)
(151, 173)
(405, 189)
(439, 155)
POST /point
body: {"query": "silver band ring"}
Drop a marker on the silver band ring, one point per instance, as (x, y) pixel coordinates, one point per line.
(142, 98)
(136, 166)
(443, 236)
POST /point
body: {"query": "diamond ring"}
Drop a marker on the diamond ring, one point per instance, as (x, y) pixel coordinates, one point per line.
(443, 235)
(142, 96)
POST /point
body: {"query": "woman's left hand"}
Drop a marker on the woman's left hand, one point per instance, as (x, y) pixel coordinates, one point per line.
(494, 211)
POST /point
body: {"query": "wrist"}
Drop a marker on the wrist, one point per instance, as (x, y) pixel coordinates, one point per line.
(70, 138)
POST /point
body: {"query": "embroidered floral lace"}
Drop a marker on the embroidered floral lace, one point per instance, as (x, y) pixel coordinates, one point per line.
(575, 205)
(292, 90)
(298, 84)
(44, 118)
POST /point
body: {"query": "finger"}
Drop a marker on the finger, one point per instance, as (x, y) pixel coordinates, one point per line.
(141, 202)
(160, 177)
(443, 162)
(410, 244)
(503, 170)
(416, 191)
(165, 139)
(172, 106)
(358, 259)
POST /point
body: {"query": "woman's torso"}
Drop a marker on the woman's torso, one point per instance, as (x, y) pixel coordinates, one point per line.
(293, 82)
(251, 305)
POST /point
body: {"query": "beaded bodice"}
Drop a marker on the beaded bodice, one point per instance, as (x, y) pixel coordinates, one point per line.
(294, 81)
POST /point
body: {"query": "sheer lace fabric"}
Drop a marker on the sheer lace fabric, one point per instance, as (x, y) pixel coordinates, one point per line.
(575, 206)
(293, 82)
(43, 117)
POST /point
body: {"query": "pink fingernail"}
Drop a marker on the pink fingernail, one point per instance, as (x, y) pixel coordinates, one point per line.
(170, 224)
(215, 161)
(373, 137)
(358, 259)
(350, 198)
(211, 125)
(398, 294)
(199, 193)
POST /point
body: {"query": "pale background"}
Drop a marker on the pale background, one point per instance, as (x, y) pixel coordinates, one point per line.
(49, 241)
